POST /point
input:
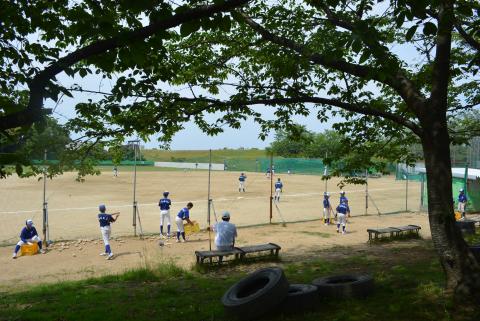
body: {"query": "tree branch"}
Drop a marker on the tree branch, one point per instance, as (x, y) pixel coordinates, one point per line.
(357, 108)
(39, 82)
(398, 81)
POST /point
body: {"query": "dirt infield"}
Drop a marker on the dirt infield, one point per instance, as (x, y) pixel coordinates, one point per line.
(73, 206)
(80, 259)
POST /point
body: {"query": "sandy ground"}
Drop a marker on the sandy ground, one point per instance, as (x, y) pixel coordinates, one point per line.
(80, 259)
(73, 205)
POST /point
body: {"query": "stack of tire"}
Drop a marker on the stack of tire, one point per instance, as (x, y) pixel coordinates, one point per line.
(267, 291)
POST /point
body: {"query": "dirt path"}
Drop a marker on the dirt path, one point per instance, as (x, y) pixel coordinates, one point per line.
(80, 259)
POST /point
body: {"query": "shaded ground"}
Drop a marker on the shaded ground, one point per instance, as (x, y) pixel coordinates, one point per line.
(75, 260)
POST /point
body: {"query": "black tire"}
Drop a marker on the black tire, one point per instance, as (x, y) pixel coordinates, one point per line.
(255, 295)
(344, 286)
(466, 226)
(300, 298)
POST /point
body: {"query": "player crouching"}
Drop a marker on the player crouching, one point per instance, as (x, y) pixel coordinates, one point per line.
(105, 220)
(28, 236)
(342, 211)
(183, 215)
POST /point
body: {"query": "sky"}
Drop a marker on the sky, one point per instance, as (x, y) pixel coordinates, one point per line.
(192, 138)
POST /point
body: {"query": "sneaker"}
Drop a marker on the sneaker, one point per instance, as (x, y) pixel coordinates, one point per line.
(103, 254)
(178, 241)
(169, 236)
(14, 256)
(42, 251)
(110, 256)
(184, 241)
(338, 231)
(343, 232)
(326, 224)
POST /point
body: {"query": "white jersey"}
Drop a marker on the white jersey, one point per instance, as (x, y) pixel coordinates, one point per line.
(225, 233)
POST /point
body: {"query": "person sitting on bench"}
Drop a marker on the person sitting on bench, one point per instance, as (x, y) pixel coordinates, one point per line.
(226, 233)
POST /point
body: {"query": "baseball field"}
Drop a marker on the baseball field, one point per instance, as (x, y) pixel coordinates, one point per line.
(77, 240)
(73, 206)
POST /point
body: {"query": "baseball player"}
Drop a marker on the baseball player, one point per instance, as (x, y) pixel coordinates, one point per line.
(28, 235)
(105, 220)
(327, 208)
(226, 233)
(242, 179)
(183, 215)
(164, 205)
(462, 203)
(278, 189)
(115, 171)
(268, 172)
(344, 199)
(342, 210)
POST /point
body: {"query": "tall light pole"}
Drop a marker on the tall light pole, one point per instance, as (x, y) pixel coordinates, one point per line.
(134, 143)
(45, 205)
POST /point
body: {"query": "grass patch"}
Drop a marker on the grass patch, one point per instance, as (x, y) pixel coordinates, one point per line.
(407, 290)
(473, 239)
(320, 234)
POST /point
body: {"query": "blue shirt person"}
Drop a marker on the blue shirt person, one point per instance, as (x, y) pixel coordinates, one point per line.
(183, 215)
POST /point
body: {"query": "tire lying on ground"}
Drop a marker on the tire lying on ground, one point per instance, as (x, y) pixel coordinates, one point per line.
(344, 286)
(256, 295)
(300, 298)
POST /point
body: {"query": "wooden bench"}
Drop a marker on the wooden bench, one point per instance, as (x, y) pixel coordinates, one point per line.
(239, 253)
(219, 255)
(376, 232)
(272, 249)
(407, 229)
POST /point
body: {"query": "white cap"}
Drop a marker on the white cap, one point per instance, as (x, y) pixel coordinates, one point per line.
(226, 214)
(342, 192)
(29, 222)
(326, 194)
(461, 190)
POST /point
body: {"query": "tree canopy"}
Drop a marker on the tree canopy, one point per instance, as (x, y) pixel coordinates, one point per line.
(394, 71)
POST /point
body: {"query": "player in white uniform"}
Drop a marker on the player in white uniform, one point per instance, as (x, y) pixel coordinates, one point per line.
(183, 215)
(342, 211)
(278, 189)
(226, 233)
(164, 205)
(327, 208)
(241, 179)
(462, 203)
(28, 235)
(105, 220)
(115, 171)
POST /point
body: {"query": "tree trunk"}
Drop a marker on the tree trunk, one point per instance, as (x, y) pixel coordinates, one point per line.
(462, 270)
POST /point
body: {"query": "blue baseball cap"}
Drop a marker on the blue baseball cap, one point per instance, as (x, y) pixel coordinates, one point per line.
(102, 208)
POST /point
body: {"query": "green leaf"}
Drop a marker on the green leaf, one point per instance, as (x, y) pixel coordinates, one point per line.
(429, 29)
(365, 55)
(411, 32)
(188, 28)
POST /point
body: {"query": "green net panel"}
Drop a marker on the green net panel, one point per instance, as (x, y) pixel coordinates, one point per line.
(294, 165)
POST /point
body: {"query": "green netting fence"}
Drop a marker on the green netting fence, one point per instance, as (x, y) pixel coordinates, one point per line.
(281, 165)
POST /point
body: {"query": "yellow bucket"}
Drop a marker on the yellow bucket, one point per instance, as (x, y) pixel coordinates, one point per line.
(458, 216)
(190, 229)
(27, 249)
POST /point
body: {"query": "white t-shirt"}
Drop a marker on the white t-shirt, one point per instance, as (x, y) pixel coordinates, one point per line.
(225, 233)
